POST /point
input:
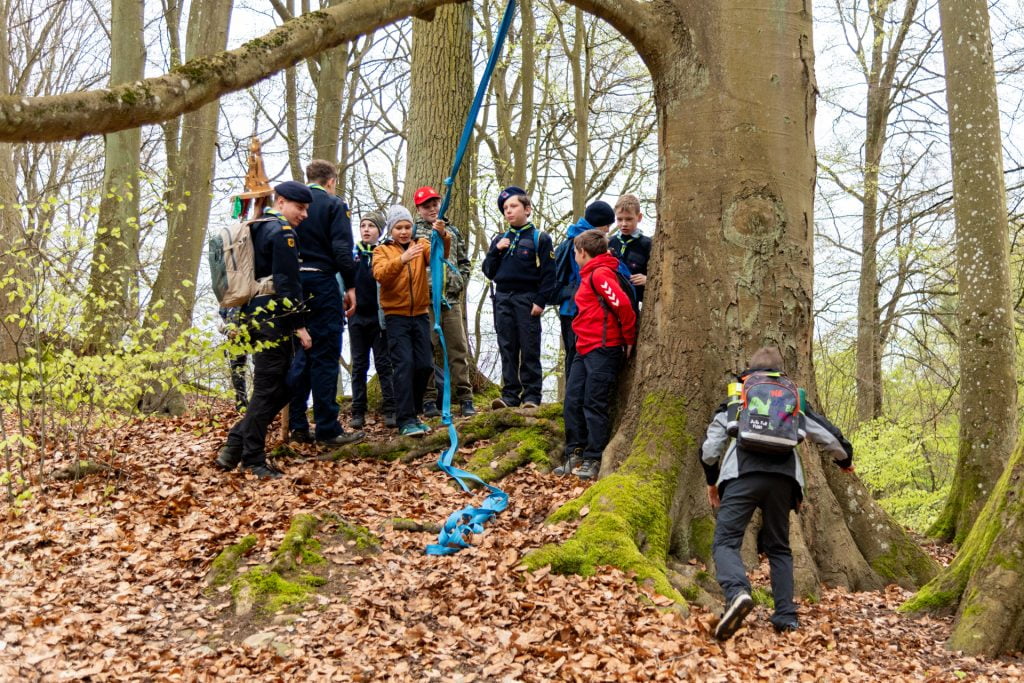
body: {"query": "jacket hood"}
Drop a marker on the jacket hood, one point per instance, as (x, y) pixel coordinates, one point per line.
(578, 228)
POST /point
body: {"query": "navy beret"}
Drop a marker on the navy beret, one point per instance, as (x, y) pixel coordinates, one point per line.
(510, 191)
(297, 192)
(600, 214)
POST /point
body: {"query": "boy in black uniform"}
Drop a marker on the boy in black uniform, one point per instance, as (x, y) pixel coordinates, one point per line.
(631, 246)
(521, 263)
(271, 320)
(325, 249)
(365, 328)
(741, 480)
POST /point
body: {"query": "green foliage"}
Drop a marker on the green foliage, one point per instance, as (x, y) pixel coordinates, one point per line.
(907, 469)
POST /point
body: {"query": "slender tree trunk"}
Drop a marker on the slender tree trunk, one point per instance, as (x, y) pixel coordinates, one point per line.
(731, 270)
(579, 59)
(12, 265)
(174, 290)
(115, 259)
(988, 390)
(442, 91)
(330, 85)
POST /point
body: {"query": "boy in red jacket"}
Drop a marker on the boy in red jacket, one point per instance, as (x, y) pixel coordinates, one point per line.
(605, 328)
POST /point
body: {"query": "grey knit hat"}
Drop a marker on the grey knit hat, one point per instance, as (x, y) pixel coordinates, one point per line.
(375, 217)
(395, 214)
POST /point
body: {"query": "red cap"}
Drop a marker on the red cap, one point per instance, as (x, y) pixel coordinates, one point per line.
(423, 194)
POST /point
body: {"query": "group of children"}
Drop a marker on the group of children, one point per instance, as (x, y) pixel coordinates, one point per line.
(527, 273)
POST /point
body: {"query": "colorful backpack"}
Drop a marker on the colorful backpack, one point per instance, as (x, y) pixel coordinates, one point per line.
(765, 414)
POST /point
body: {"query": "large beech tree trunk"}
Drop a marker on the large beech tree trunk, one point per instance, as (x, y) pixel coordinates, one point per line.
(116, 248)
(731, 270)
(988, 388)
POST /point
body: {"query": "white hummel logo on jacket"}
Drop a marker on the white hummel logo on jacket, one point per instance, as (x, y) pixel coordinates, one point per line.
(610, 294)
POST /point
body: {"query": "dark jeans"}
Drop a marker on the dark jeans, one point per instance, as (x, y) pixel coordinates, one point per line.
(412, 361)
(774, 494)
(325, 321)
(270, 393)
(364, 335)
(519, 345)
(568, 341)
(588, 392)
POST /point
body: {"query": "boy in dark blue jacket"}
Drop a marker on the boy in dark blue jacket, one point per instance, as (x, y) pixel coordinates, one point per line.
(741, 480)
(365, 328)
(521, 263)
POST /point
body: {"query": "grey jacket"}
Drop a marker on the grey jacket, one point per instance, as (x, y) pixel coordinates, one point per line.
(723, 461)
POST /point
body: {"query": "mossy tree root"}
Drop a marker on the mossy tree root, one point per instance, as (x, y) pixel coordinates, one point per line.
(540, 441)
(485, 425)
(985, 582)
(226, 564)
(624, 518)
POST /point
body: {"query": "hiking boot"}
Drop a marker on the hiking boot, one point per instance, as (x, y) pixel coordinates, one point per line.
(733, 616)
(343, 439)
(358, 421)
(390, 420)
(786, 625)
(529, 404)
(572, 461)
(228, 457)
(468, 409)
(412, 429)
(498, 404)
(263, 471)
(300, 436)
(588, 469)
(430, 409)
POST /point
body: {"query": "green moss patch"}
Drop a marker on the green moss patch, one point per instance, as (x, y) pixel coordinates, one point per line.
(226, 564)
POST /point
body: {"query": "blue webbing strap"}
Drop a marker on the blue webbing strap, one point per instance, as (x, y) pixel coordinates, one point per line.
(462, 524)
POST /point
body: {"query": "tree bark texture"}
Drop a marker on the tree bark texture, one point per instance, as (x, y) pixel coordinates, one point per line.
(731, 271)
(442, 92)
(115, 255)
(11, 227)
(988, 390)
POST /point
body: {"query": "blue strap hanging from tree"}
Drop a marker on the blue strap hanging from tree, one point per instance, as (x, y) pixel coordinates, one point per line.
(462, 524)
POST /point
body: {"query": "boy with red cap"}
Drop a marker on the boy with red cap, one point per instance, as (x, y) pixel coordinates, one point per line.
(605, 328)
(428, 202)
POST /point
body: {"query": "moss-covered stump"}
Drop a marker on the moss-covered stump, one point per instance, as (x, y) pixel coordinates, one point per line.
(226, 564)
(985, 582)
(624, 518)
(285, 581)
(483, 426)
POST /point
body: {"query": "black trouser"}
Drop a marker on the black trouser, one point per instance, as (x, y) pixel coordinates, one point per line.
(270, 393)
(568, 341)
(519, 345)
(364, 335)
(237, 365)
(325, 322)
(412, 362)
(588, 392)
(774, 494)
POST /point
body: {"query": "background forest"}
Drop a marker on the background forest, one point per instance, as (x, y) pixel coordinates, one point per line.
(108, 264)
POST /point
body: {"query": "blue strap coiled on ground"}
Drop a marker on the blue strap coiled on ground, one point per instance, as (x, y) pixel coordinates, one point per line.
(458, 529)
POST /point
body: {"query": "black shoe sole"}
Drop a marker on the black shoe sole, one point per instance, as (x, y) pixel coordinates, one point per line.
(733, 617)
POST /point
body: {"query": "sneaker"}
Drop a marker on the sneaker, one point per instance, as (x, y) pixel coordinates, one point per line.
(430, 409)
(529, 404)
(733, 616)
(263, 471)
(424, 427)
(786, 626)
(413, 430)
(498, 404)
(358, 421)
(390, 420)
(300, 436)
(343, 439)
(572, 461)
(228, 457)
(588, 469)
(468, 409)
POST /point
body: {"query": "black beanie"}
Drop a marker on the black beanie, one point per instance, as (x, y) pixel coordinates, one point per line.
(600, 214)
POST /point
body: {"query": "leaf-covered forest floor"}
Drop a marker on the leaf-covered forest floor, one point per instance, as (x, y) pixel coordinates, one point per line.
(104, 578)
